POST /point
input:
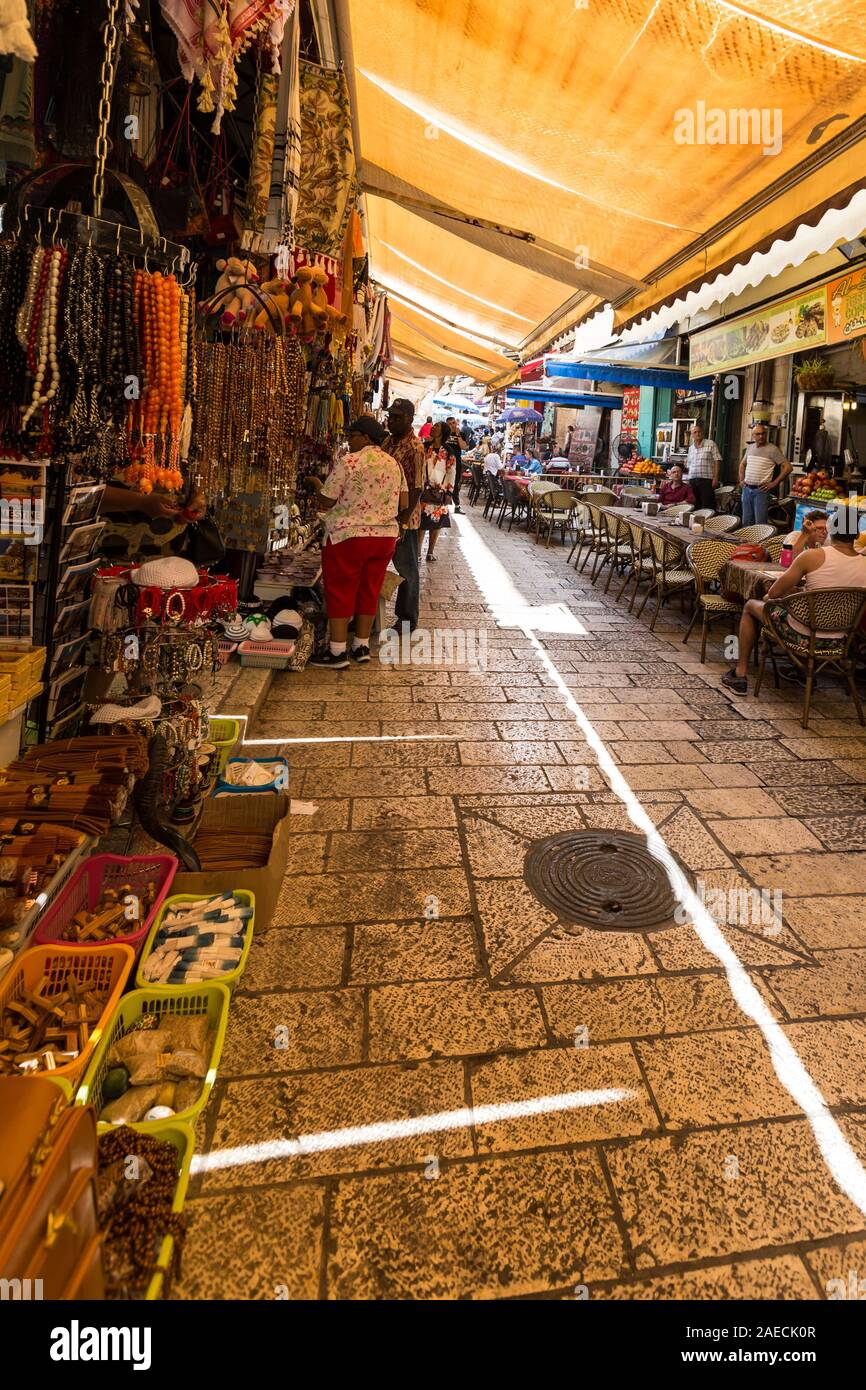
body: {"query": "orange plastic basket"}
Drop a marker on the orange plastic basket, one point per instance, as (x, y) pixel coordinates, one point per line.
(105, 968)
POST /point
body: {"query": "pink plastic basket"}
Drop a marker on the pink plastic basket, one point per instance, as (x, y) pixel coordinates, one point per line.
(101, 871)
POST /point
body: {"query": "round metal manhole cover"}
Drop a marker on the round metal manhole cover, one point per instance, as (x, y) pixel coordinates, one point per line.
(606, 879)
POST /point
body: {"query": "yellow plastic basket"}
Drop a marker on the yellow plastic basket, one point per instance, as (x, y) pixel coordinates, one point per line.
(231, 977)
(224, 734)
(185, 1000)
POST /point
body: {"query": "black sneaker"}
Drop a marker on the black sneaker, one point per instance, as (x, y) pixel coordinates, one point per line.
(360, 654)
(327, 658)
(738, 685)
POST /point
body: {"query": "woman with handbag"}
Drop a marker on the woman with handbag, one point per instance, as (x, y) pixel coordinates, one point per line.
(438, 487)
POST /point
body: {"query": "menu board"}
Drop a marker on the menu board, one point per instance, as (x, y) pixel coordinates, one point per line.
(846, 307)
(585, 437)
(830, 313)
(790, 325)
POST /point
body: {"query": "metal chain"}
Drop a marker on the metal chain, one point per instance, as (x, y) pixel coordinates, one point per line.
(111, 40)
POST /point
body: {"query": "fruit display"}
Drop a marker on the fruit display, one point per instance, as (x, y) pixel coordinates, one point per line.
(642, 467)
(818, 486)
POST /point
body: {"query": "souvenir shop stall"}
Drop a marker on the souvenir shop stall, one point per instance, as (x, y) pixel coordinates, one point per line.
(186, 326)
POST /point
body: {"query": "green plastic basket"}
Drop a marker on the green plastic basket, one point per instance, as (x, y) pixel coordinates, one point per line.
(224, 734)
(210, 999)
(231, 977)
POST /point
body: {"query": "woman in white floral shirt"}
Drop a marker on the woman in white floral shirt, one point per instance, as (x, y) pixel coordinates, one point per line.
(361, 499)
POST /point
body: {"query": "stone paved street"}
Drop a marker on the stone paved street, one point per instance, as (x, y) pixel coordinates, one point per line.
(667, 1155)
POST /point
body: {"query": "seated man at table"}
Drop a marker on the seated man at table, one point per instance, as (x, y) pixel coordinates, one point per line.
(492, 462)
(813, 536)
(533, 466)
(673, 490)
(838, 566)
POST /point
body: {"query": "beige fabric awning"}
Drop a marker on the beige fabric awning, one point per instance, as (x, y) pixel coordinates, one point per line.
(547, 156)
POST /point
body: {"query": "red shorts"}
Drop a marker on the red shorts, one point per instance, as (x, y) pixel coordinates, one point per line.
(353, 572)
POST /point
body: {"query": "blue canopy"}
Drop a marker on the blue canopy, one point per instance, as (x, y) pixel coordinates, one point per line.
(573, 398)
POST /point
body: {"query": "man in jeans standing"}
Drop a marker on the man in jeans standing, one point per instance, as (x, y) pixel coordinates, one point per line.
(404, 445)
(762, 468)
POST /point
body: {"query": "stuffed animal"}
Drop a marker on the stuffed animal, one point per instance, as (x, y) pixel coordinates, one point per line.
(276, 295)
(308, 303)
(236, 277)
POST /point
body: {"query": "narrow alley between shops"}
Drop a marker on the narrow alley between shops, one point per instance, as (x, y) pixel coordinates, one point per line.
(430, 1087)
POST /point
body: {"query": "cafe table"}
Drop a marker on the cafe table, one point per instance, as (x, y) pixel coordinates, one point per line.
(682, 536)
(747, 579)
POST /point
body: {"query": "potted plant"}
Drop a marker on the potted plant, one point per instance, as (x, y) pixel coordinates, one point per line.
(814, 374)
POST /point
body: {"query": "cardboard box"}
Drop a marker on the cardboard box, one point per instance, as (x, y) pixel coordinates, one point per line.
(257, 812)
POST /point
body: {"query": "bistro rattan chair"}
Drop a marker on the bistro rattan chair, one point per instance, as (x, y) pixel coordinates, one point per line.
(614, 548)
(824, 612)
(476, 487)
(721, 525)
(724, 498)
(703, 515)
(753, 535)
(707, 559)
(493, 494)
(639, 561)
(537, 488)
(554, 509)
(774, 548)
(669, 573)
(678, 509)
(513, 496)
(588, 531)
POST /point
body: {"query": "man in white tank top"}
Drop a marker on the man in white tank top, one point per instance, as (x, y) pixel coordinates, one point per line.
(835, 566)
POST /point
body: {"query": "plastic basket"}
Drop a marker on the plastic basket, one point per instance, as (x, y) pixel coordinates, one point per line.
(108, 871)
(231, 977)
(211, 999)
(105, 967)
(224, 734)
(279, 782)
(273, 656)
(183, 1138)
(225, 650)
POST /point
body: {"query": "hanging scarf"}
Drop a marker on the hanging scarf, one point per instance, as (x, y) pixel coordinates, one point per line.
(15, 36)
(212, 35)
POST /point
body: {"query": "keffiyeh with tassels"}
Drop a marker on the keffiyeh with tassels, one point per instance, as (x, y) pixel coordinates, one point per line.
(212, 35)
(15, 36)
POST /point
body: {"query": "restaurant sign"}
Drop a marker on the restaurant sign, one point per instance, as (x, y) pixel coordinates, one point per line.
(790, 325)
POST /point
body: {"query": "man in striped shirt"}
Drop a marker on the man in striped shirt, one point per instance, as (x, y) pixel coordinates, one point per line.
(704, 465)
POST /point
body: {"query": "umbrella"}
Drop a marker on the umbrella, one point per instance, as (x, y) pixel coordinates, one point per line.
(519, 414)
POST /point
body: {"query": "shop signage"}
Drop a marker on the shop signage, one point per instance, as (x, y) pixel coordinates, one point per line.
(846, 307)
(795, 324)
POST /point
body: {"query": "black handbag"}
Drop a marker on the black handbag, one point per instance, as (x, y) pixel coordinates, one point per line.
(204, 543)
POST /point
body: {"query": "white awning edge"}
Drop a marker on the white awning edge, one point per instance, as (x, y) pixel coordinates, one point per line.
(837, 225)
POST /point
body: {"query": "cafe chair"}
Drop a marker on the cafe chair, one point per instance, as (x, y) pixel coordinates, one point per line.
(703, 515)
(537, 488)
(640, 564)
(724, 498)
(602, 496)
(720, 525)
(773, 548)
(753, 535)
(493, 494)
(476, 487)
(678, 509)
(588, 531)
(823, 612)
(614, 546)
(669, 577)
(515, 497)
(706, 560)
(554, 509)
